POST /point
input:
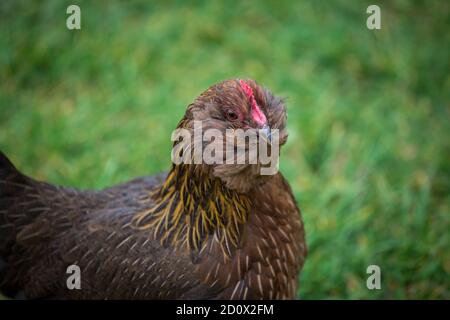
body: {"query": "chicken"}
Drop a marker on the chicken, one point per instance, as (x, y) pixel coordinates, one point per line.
(201, 231)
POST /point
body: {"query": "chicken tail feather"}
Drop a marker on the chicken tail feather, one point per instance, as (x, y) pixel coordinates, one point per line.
(17, 196)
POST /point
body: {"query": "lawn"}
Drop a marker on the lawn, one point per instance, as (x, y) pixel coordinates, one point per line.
(368, 115)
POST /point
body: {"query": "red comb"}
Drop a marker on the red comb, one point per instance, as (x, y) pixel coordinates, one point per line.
(257, 114)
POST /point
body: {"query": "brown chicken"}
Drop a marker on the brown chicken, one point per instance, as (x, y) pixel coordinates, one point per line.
(201, 231)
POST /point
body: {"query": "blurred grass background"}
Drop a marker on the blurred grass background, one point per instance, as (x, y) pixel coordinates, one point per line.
(368, 115)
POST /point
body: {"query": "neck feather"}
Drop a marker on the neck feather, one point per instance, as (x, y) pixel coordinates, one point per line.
(190, 206)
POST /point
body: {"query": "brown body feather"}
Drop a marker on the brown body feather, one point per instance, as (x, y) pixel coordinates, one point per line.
(184, 235)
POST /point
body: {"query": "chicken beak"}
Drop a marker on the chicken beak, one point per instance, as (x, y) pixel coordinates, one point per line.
(267, 133)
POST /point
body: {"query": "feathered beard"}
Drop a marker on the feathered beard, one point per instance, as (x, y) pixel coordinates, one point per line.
(240, 158)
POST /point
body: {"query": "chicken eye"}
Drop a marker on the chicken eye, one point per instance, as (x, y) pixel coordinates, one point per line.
(231, 115)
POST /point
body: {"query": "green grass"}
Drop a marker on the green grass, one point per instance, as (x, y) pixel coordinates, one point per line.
(368, 115)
